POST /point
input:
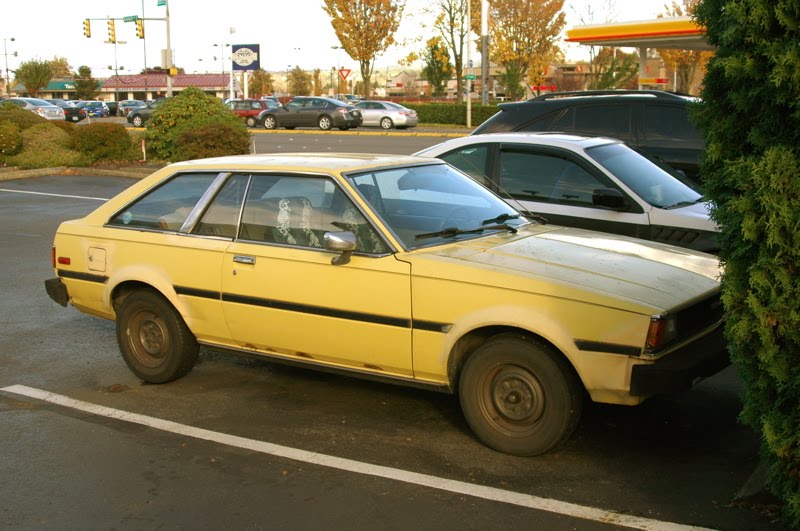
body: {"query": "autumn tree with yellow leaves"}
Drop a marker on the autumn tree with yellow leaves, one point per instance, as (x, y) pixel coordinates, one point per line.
(365, 28)
(685, 63)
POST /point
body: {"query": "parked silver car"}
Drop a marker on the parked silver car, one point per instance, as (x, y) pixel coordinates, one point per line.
(387, 114)
(43, 108)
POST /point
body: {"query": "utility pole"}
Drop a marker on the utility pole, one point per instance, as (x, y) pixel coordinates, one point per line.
(170, 65)
(469, 64)
(484, 52)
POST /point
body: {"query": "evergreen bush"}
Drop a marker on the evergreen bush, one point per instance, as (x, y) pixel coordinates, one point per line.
(451, 113)
(751, 117)
(104, 141)
(16, 115)
(10, 139)
(190, 109)
(44, 146)
(214, 139)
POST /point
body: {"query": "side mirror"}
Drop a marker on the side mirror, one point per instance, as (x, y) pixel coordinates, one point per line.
(610, 198)
(341, 242)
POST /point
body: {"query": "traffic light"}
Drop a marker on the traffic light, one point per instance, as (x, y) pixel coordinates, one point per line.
(140, 28)
(87, 28)
(112, 35)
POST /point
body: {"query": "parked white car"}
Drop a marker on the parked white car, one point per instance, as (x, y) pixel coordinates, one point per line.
(43, 108)
(593, 183)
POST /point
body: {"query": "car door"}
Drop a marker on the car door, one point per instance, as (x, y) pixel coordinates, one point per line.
(370, 112)
(314, 107)
(293, 115)
(560, 186)
(282, 295)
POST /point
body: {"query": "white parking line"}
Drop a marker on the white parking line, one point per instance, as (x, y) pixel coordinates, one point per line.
(53, 195)
(348, 465)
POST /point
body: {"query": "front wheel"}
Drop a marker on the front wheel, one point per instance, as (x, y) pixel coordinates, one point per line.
(270, 122)
(325, 123)
(137, 121)
(155, 342)
(519, 396)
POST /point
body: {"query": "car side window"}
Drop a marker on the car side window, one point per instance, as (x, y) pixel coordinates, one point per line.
(222, 216)
(669, 123)
(546, 177)
(298, 211)
(596, 120)
(471, 160)
(166, 207)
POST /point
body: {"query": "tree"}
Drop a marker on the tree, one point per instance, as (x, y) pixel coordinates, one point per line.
(452, 26)
(316, 80)
(684, 62)
(525, 39)
(750, 114)
(61, 68)
(365, 28)
(614, 68)
(437, 69)
(85, 84)
(35, 75)
(260, 82)
(299, 82)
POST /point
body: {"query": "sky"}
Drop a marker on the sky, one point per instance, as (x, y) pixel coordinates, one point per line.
(290, 33)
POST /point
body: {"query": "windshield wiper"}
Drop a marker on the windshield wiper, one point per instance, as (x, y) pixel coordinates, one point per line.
(450, 232)
(684, 203)
(505, 216)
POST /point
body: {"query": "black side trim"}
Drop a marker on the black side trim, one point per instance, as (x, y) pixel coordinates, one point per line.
(201, 293)
(317, 310)
(609, 348)
(88, 277)
(431, 326)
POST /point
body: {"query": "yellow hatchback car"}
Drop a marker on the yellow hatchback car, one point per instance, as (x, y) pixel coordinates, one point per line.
(396, 268)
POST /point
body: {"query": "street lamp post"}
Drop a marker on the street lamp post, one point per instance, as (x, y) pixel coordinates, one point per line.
(222, 64)
(6, 54)
(116, 66)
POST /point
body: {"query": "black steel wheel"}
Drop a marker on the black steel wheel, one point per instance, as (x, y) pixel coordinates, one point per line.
(154, 340)
(519, 396)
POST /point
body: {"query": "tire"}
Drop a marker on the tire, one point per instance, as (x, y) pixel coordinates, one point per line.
(325, 123)
(344, 128)
(137, 121)
(250, 121)
(519, 396)
(155, 342)
(290, 127)
(386, 123)
(270, 122)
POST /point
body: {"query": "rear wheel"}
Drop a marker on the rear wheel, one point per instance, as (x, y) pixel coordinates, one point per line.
(154, 340)
(270, 122)
(386, 123)
(325, 123)
(519, 396)
(251, 121)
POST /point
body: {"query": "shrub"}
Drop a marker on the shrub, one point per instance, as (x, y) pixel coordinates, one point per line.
(45, 145)
(22, 118)
(451, 113)
(66, 126)
(103, 141)
(10, 139)
(751, 118)
(212, 140)
(190, 109)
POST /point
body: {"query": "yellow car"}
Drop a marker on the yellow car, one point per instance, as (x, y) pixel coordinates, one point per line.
(396, 268)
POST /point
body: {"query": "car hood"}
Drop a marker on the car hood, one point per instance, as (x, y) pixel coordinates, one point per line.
(590, 266)
(695, 216)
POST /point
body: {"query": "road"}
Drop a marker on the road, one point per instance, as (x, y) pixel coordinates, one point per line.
(242, 443)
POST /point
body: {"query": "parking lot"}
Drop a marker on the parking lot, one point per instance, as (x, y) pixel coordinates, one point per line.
(249, 443)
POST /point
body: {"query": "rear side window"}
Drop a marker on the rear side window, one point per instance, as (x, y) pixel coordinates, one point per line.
(471, 160)
(669, 122)
(166, 207)
(596, 120)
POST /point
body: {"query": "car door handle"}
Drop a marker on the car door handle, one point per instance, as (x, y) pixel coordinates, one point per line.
(243, 259)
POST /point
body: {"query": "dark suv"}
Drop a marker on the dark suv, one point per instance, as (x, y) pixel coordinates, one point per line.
(652, 121)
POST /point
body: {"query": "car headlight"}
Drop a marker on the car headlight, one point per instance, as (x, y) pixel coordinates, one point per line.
(662, 331)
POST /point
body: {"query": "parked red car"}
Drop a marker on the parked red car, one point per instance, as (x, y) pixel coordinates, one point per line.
(248, 110)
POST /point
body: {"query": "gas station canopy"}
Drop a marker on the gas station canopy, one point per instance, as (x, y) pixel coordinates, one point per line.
(673, 32)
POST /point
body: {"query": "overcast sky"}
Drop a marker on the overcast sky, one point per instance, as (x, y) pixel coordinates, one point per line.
(295, 32)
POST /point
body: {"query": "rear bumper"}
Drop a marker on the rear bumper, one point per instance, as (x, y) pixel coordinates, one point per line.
(679, 370)
(57, 291)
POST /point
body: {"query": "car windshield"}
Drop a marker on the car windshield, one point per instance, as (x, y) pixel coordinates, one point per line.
(646, 179)
(434, 204)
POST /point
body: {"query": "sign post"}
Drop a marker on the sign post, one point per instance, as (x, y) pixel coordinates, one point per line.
(245, 57)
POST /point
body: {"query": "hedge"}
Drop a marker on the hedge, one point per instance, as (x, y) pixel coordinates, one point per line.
(451, 113)
(751, 117)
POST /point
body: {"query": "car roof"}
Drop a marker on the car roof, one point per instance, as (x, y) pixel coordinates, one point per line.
(551, 139)
(307, 162)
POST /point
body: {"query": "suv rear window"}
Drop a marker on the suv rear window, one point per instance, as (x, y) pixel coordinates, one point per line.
(596, 120)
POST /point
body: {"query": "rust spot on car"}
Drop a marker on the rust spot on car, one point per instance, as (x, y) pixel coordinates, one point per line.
(304, 355)
(372, 367)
